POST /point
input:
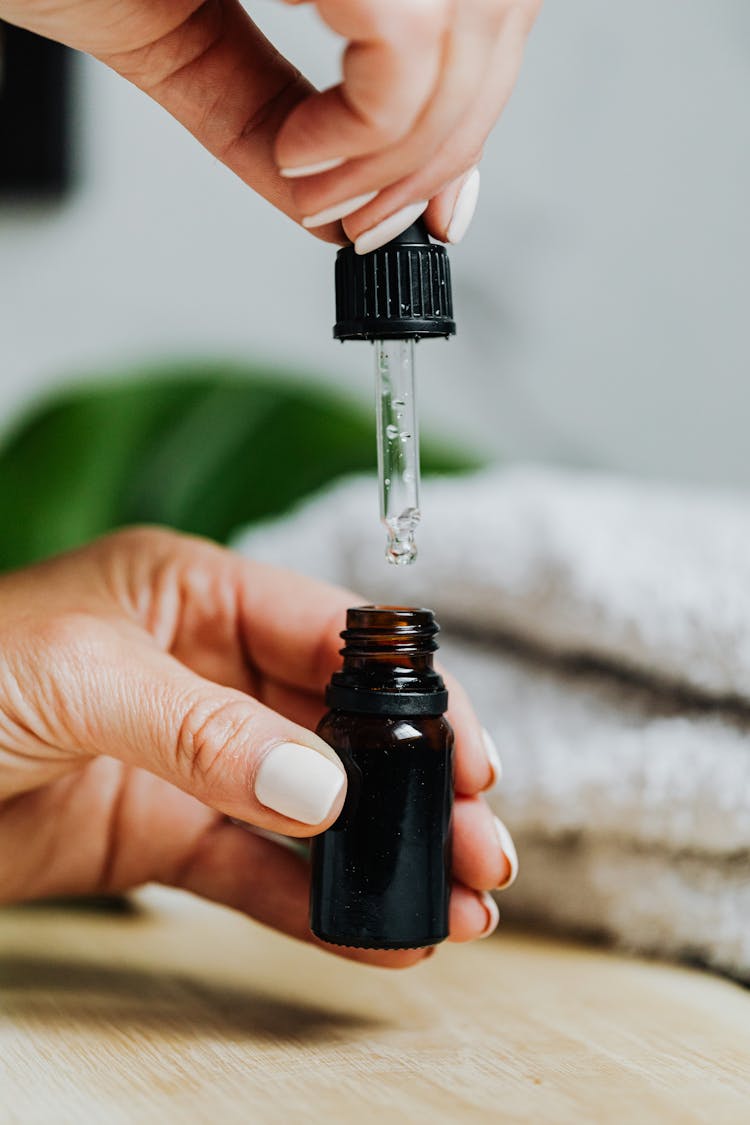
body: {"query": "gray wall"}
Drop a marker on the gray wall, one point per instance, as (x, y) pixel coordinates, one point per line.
(602, 292)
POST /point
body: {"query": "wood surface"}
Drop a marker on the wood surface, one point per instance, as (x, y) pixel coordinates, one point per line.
(184, 1012)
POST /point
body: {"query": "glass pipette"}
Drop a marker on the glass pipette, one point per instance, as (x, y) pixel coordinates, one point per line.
(398, 447)
(394, 296)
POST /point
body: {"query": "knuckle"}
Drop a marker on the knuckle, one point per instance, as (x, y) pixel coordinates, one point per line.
(67, 637)
(280, 102)
(465, 163)
(496, 12)
(389, 123)
(137, 543)
(526, 10)
(473, 158)
(138, 537)
(385, 117)
(492, 12)
(400, 18)
(138, 534)
(423, 17)
(57, 660)
(213, 738)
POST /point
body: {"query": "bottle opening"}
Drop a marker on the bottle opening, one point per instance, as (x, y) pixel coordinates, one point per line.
(387, 664)
(394, 627)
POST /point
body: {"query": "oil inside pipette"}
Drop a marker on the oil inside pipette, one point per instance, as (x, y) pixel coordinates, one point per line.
(401, 547)
(398, 448)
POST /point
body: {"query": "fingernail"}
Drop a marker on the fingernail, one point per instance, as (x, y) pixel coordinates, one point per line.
(338, 210)
(383, 232)
(509, 850)
(493, 758)
(312, 169)
(493, 914)
(298, 782)
(464, 208)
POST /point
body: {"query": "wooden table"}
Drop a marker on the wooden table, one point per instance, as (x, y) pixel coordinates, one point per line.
(183, 1012)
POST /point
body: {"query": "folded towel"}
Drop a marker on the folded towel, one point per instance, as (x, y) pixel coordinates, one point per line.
(602, 628)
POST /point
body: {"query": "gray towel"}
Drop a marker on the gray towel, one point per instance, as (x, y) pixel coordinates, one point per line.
(602, 628)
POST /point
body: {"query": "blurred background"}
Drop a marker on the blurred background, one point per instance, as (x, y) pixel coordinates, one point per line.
(601, 294)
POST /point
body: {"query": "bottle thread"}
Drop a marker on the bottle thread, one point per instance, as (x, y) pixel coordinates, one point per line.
(388, 663)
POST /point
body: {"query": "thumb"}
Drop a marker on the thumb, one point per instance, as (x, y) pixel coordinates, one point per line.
(126, 698)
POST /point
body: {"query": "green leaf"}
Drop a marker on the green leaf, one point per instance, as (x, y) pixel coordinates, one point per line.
(203, 448)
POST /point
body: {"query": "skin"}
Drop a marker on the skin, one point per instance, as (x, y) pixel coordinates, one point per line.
(408, 123)
(142, 680)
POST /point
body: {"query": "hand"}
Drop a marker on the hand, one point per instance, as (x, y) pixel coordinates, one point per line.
(423, 83)
(147, 683)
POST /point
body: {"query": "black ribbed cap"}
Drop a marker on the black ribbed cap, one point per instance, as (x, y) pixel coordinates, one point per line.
(400, 291)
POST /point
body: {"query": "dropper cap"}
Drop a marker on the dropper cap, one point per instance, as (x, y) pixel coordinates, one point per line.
(402, 291)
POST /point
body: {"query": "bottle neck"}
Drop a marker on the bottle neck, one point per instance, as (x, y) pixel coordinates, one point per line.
(388, 663)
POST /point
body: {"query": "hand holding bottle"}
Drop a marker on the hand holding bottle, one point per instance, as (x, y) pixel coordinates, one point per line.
(154, 689)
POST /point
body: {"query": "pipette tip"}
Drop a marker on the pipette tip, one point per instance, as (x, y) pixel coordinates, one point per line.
(401, 550)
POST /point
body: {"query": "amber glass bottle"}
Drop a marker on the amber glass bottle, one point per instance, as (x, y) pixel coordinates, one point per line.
(381, 873)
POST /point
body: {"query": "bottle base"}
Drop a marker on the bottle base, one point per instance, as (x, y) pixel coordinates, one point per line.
(346, 943)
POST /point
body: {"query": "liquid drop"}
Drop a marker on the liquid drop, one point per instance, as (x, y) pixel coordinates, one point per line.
(401, 551)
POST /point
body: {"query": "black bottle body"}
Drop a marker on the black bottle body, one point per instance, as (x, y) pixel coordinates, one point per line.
(381, 873)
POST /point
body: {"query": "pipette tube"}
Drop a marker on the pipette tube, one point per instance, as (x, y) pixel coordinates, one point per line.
(398, 447)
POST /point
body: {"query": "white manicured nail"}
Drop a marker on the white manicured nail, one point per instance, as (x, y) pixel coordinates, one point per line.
(496, 767)
(464, 208)
(395, 224)
(312, 169)
(493, 914)
(298, 782)
(338, 210)
(509, 850)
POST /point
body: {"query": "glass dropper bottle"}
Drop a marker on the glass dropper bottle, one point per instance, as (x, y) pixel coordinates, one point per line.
(395, 296)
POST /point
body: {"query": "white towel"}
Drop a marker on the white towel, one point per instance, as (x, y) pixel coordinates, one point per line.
(602, 628)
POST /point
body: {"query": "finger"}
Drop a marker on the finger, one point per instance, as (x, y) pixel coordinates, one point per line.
(219, 76)
(484, 856)
(461, 151)
(299, 643)
(477, 765)
(449, 214)
(472, 915)
(426, 165)
(458, 156)
(464, 71)
(101, 829)
(304, 708)
(390, 68)
(228, 618)
(100, 688)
